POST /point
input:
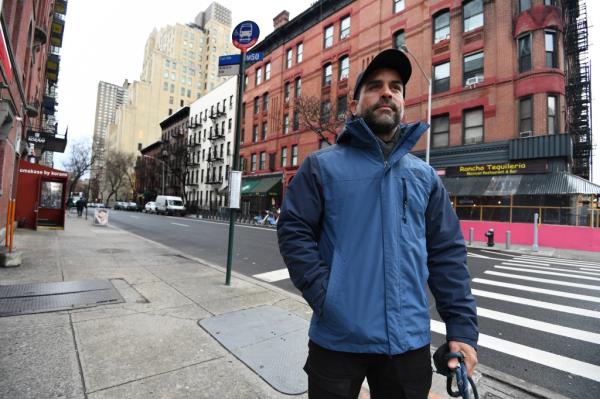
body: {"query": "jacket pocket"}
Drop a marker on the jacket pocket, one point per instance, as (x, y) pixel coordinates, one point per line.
(330, 293)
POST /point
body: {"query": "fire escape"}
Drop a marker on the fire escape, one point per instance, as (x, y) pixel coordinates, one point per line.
(578, 85)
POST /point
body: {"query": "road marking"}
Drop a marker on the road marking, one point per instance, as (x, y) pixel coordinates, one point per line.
(587, 270)
(549, 359)
(538, 304)
(529, 269)
(562, 261)
(134, 217)
(224, 224)
(544, 280)
(527, 288)
(495, 252)
(480, 256)
(275, 275)
(568, 332)
(526, 262)
(179, 224)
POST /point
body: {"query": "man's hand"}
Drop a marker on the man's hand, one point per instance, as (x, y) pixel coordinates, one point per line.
(468, 352)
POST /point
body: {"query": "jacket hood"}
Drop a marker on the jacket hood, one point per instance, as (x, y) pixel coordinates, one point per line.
(358, 134)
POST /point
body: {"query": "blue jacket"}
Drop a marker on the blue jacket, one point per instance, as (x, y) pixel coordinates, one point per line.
(361, 237)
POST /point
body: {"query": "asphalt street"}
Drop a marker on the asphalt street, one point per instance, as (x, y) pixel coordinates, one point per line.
(539, 317)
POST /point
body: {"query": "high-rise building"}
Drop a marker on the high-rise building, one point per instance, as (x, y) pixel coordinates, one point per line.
(180, 65)
(109, 98)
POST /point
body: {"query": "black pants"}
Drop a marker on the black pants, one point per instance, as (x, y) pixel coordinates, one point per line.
(337, 375)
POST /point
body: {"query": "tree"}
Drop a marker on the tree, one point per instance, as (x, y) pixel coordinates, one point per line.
(118, 167)
(322, 117)
(79, 163)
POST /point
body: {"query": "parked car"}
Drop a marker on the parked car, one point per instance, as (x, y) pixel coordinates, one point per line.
(120, 205)
(132, 206)
(169, 205)
(150, 207)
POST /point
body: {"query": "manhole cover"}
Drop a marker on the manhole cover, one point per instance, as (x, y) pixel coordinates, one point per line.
(112, 250)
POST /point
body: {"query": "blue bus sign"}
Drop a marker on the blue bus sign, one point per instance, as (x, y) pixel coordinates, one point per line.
(245, 35)
(234, 59)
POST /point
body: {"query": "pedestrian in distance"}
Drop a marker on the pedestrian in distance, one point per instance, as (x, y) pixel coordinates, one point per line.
(80, 204)
(365, 226)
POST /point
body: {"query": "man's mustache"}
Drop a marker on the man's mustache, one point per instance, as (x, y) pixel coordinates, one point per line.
(385, 102)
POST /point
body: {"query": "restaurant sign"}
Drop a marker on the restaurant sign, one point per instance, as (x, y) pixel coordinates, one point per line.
(497, 169)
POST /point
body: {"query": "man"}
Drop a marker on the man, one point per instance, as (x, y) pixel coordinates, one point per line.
(363, 228)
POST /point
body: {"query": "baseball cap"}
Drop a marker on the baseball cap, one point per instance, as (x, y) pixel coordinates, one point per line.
(390, 58)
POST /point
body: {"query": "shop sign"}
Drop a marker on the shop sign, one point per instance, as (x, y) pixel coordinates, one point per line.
(43, 172)
(497, 169)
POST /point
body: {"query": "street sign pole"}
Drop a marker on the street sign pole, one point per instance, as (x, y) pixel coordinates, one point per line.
(236, 162)
(244, 36)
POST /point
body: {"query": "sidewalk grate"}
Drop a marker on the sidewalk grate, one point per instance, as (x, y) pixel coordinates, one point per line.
(50, 297)
(258, 337)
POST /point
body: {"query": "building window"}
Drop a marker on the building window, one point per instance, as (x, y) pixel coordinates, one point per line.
(323, 143)
(296, 121)
(328, 37)
(472, 14)
(295, 155)
(342, 107)
(550, 2)
(524, 45)
(256, 105)
(286, 92)
(253, 163)
(524, 5)
(398, 5)
(288, 58)
(552, 114)
(299, 50)
(327, 71)
(473, 68)
(325, 111)
(440, 131)
(345, 27)
(525, 117)
(263, 159)
(298, 87)
(550, 41)
(473, 126)
(286, 124)
(344, 68)
(254, 133)
(284, 157)
(441, 26)
(264, 130)
(266, 102)
(258, 76)
(399, 39)
(441, 77)
(267, 71)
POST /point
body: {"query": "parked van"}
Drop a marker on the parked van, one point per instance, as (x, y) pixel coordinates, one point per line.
(169, 205)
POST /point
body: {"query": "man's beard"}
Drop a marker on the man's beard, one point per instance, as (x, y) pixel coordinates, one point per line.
(384, 123)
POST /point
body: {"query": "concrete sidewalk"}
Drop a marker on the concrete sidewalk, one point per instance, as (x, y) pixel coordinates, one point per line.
(151, 345)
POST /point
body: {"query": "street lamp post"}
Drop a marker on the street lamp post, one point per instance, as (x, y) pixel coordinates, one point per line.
(163, 170)
(428, 145)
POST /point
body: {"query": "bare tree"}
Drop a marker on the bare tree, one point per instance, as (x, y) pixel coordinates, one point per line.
(118, 167)
(79, 163)
(322, 117)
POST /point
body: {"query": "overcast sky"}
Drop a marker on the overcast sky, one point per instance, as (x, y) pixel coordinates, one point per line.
(105, 39)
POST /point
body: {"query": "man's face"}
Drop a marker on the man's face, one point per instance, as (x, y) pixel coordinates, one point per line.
(381, 101)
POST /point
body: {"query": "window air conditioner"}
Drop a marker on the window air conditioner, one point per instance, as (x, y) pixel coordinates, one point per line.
(526, 133)
(474, 80)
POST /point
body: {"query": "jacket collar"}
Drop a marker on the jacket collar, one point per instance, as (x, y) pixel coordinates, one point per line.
(358, 134)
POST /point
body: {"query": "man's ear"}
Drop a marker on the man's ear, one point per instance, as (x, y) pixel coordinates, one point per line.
(353, 106)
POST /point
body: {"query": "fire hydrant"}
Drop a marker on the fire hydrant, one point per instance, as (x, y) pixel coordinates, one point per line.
(490, 237)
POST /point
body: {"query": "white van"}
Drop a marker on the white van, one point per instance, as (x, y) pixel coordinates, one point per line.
(169, 205)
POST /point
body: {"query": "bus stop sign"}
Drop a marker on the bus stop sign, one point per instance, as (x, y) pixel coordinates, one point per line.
(245, 35)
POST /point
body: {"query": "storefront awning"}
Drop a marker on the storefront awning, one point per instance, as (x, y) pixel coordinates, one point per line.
(262, 185)
(530, 184)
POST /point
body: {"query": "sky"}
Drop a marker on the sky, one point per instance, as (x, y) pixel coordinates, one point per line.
(104, 41)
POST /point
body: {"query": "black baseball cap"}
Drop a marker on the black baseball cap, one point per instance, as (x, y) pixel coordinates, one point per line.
(390, 58)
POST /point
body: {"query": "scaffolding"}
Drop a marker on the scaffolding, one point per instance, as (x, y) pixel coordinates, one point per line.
(578, 85)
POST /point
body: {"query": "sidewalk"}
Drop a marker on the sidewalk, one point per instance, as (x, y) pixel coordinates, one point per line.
(151, 345)
(542, 251)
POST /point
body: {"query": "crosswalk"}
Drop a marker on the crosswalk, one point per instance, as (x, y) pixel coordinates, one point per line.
(548, 308)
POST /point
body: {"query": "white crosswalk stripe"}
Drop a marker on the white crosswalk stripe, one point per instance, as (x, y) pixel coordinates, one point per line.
(559, 269)
(273, 276)
(543, 280)
(559, 261)
(562, 294)
(549, 359)
(527, 262)
(550, 273)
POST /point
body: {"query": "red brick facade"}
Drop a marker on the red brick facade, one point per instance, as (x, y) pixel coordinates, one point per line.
(373, 25)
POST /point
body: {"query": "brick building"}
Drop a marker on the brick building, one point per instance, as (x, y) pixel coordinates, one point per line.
(501, 94)
(30, 39)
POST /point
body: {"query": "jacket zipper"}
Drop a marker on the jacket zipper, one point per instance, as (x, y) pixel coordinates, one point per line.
(404, 199)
